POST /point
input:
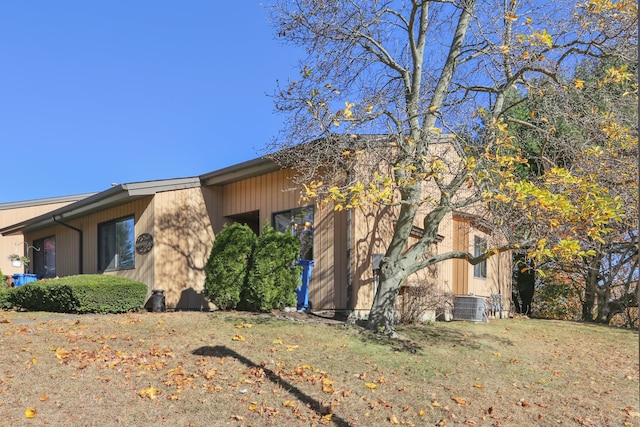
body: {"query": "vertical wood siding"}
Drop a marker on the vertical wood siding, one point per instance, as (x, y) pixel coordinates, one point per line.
(273, 192)
(68, 241)
(11, 244)
(183, 241)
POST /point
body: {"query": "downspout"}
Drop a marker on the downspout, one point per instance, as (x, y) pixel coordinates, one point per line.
(80, 258)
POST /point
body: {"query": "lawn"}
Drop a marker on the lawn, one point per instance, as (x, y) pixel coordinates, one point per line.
(242, 369)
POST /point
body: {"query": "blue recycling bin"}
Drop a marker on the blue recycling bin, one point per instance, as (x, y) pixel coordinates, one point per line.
(303, 291)
(21, 279)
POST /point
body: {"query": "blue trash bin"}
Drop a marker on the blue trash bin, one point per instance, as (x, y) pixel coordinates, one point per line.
(303, 291)
(21, 279)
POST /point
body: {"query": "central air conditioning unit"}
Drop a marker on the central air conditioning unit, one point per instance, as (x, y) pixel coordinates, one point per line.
(471, 308)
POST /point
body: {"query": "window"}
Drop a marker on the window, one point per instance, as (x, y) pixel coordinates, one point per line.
(480, 247)
(44, 257)
(116, 244)
(300, 222)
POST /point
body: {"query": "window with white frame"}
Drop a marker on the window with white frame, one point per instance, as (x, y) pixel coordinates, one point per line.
(480, 247)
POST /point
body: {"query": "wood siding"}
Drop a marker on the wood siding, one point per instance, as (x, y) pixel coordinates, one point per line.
(183, 240)
(68, 241)
(12, 244)
(274, 192)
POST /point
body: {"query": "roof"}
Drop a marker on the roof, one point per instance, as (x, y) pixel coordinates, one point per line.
(114, 196)
(44, 201)
(239, 171)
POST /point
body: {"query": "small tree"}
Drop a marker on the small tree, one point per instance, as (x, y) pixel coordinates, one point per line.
(272, 276)
(226, 269)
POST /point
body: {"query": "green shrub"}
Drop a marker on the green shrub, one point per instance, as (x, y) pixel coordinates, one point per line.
(272, 277)
(108, 294)
(90, 293)
(5, 298)
(44, 296)
(253, 273)
(226, 268)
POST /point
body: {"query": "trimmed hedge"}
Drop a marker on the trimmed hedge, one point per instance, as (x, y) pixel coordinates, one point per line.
(86, 293)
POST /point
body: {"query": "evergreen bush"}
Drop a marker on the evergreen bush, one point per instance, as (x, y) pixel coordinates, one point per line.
(273, 277)
(227, 266)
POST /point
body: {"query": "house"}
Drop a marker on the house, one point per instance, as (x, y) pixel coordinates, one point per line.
(161, 232)
(14, 212)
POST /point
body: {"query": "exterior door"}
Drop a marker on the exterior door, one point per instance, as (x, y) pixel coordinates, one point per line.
(44, 261)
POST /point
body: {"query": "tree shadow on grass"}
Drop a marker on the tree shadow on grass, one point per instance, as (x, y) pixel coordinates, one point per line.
(315, 405)
(422, 336)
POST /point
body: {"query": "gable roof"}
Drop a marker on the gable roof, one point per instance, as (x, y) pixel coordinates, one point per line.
(114, 196)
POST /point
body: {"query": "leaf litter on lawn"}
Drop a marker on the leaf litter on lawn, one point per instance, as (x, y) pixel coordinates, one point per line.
(244, 369)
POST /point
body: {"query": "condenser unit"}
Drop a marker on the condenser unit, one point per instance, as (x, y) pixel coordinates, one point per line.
(470, 307)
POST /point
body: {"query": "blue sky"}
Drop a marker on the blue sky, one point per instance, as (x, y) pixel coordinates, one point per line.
(96, 92)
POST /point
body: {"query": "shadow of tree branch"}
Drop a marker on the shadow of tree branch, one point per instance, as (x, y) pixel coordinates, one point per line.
(313, 404)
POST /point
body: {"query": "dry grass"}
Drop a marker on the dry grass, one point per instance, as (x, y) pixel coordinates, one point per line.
(238, 369)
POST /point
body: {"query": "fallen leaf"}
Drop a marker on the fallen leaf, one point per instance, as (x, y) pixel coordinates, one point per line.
(459, 400)
(393, 419)
(30, 413)
(44, 398)
(238, 338)
(372, 386)
(61, 353)
(478, 386)
(278, 341)
(150, 392)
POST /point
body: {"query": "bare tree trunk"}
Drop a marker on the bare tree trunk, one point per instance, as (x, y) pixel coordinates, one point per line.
(381, 317)
(590, 291)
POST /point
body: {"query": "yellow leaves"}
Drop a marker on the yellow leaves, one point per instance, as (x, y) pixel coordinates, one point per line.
(459, 400)
(238, 337)
(277, 341)
(578, 84)
(149, 393)
(327, 385)
(347, 111)
(244, 326)
(62, 354)
(371, 386)
(539, 38)
(30, 413)
(471, 163)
